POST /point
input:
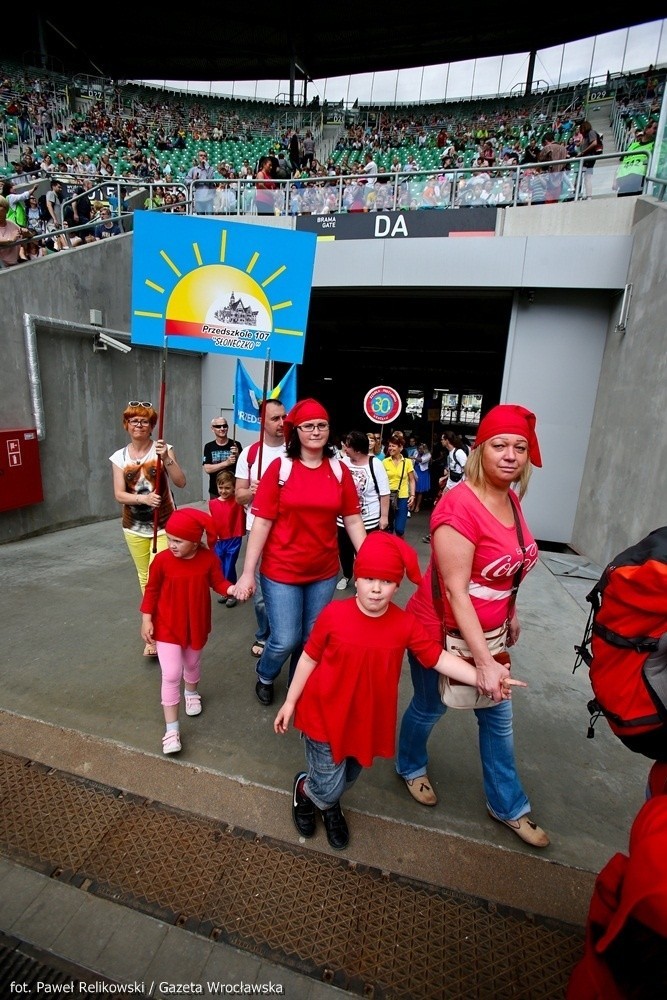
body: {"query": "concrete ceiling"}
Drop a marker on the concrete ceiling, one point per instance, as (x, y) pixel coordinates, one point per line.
(242, 42)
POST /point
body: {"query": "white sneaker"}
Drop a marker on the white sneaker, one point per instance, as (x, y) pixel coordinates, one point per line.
(342, 583)
(171, 741)
(192, 703)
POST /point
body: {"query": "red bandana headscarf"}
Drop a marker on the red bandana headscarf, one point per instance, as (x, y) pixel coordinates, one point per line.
(386, 557)
(301, 412)
(509, 418)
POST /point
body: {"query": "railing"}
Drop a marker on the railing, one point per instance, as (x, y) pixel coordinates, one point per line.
(503, 186)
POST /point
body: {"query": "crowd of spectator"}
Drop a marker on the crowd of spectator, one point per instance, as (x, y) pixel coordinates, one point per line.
(400, 159)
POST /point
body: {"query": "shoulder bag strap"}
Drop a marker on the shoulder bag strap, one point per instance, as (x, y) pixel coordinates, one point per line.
(401, 479)
(375, 482)
(519, 573)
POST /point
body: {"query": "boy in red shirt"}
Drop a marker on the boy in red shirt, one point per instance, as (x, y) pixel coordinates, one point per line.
(229, 520)
(344, 693)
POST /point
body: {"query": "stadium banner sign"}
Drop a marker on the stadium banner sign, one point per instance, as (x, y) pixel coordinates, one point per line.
(220, 287)
(472, 221)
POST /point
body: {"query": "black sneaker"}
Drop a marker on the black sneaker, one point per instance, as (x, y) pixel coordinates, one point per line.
(303, 810)
(338, 834)
(264, 693)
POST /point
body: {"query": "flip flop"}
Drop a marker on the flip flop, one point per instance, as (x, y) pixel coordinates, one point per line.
(257, 649)
(149, 649)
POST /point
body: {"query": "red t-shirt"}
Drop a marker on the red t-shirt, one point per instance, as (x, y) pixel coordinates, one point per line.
(178, 596)
(303, 542)
(496, 559)
(350, 700)
(229, 517)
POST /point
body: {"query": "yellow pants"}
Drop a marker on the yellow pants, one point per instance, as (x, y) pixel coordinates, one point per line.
(141, 550)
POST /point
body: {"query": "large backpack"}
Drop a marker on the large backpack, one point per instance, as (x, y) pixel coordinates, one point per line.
(625, 646)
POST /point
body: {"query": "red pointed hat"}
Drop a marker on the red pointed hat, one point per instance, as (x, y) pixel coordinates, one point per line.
(510, 418)
(190, 524)
(304, 410)
(386, 557)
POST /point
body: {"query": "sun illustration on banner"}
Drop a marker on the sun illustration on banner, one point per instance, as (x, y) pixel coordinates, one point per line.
(214, 293)
(217, 296)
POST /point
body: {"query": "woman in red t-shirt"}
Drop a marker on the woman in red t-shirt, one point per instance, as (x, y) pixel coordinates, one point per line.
(294, 532)
(481, 549)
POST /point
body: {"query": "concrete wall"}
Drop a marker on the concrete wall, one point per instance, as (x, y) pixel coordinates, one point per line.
(554, 357)
(624, 490)
(84, 393)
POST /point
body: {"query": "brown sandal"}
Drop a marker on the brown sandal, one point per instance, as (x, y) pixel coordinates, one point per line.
(150, 649)
(257, 649)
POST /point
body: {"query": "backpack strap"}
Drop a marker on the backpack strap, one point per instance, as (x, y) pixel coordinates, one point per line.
(337, 468)
(286, 468)
(252, 455)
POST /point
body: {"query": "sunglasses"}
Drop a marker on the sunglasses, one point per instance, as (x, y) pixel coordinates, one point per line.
(139, 402)
(219, 427)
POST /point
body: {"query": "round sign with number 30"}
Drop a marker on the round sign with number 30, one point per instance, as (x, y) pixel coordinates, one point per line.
(382, 404)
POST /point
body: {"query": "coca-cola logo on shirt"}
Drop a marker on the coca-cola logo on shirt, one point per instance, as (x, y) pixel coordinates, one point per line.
(507, 565)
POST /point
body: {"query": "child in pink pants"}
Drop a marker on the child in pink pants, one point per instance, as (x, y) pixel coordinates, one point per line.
(176, 612)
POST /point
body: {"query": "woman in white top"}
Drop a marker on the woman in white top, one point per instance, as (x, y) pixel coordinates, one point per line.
(456, 459)
(136, 488)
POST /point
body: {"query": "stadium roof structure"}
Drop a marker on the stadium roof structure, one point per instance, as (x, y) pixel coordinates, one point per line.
(236, 42)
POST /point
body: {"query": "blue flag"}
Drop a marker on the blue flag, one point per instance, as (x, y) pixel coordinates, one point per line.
(285, 391)
(248, 396)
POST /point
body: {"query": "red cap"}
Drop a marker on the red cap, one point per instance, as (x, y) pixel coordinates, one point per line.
(190, 524)
(304, 410)
(509, 418)
(386, 557)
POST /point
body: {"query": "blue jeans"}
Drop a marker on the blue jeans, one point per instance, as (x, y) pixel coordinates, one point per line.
(292, 610)
(262, 633)
(398, 518)
(327, 781)
(504, 795)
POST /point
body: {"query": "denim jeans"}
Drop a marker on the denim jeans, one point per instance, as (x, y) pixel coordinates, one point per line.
(327, 781)
(504, 795)
(262, 633)
(398, 518)
(292, 610)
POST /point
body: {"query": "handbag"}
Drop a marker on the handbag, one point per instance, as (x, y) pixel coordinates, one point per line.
(453, 693)
(393, 494)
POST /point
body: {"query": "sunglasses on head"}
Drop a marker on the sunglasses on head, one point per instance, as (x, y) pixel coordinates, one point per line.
(139, 402)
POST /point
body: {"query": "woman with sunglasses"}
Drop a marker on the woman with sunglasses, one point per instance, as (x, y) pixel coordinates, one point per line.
(134, 469)
(294, 532)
